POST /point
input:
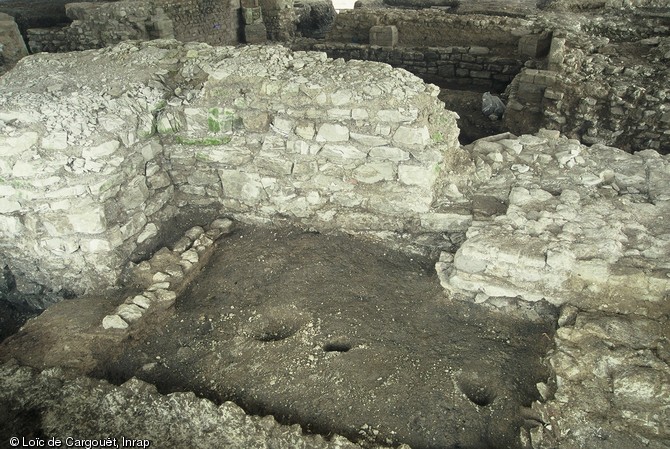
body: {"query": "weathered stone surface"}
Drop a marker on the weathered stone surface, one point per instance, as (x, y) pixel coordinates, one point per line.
(114, 322)
(63, 400)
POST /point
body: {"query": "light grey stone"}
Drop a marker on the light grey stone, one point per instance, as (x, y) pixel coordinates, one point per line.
(331, 132)
(8, 206)
(129, 312)
(91, 219)
(410, 137)
(341, 152)
(114, 322)
(191, 255)
(103, 150)
(445, 222)
(389, 153)
(150, 230)
(141, 301)
(417, 175)
(373, 172)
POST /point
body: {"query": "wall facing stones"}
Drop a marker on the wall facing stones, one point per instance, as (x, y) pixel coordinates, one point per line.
(261, 133)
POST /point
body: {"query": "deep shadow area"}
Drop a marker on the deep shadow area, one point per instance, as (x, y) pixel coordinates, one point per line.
(342, 335)
(473, 123)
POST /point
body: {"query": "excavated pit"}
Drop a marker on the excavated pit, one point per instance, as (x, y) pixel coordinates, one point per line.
(341, 336)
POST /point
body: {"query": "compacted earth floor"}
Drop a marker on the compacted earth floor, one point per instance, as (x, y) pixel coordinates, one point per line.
(332, 332)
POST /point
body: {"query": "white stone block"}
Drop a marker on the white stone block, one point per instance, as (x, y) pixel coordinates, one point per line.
(114, 322)
(13, 146)
(408, 136)
(417, 175)
(90, 219)
(329, 132)
(374, 172)
(102, 150)
(150, 230)
(8, 206)
(341, 152)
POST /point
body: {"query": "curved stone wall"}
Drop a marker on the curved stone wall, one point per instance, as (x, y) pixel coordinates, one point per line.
(93, 167)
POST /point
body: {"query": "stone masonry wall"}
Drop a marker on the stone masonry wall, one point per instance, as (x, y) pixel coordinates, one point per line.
(432, 28)
(96, 25)
(597, 89)
(211, 21)
(89, 174)
(476, 68)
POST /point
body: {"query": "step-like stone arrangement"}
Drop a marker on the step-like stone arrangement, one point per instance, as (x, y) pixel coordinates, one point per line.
(167, 272)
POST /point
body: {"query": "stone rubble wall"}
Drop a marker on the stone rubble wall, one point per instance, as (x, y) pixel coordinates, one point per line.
(600, 90)
(164, 276)
(280, 19)
(432, 28)
(93, 409)
(585, 230)
(471, 67)
(99, 24)
(261, 133)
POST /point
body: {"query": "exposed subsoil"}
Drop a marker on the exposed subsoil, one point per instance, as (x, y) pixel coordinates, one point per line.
(341, 335)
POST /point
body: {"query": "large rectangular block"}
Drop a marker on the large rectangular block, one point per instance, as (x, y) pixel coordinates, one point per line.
(255, 33)
(384, 35)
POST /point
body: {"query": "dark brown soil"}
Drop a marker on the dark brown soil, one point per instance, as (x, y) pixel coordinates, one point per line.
(341, 335)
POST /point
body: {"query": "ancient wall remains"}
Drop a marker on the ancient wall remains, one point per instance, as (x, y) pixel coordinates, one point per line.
(470, 67)
(598, 89)
(96, 25)
(432, 28)
(272, 135)
(211, 21)
(468, 52)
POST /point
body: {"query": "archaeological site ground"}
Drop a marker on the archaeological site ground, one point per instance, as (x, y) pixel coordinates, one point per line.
(302, 224)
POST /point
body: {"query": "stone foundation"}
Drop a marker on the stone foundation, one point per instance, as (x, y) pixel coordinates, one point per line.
(212, 127)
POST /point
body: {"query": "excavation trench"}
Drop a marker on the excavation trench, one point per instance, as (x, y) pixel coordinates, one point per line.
(342, 336)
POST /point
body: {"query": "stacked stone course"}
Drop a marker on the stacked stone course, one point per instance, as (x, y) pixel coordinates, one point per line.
(470, 67)
(270, 134)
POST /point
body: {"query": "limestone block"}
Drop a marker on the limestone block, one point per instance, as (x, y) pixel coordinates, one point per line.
(90, 219)
(330, 132)
(535, 45)
(246, 187)
(252, 15)
(8, 206)
(341, 152)
(374, 172)
(384, 35)
(16, 145)
(368, 140)
(104, 149)
(149, 231)
(411, 137)
(129, 312)
(445, 222)
(255, 33)
(305, 130)
(389, 153)
(12, 47)
(114, 322)
(417, 175)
